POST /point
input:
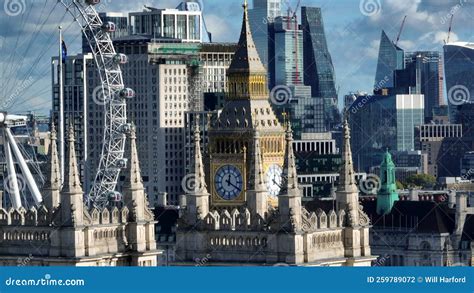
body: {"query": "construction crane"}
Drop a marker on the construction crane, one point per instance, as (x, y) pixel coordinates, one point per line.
(449, 30)
(401, 29)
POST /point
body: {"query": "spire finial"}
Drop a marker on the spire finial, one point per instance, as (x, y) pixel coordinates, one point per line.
(71, 180)
(134, 179)
(289, 131)
(196, 129)
(246, 5)
(53, 133)
(347, 180)
(71, 133)
(197, 167)
(52, 184)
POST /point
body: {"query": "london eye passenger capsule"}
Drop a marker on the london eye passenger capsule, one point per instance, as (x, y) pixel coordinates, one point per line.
(114, 196)
(122, 163)
(92, 2)
(109, 27)
(126, 128)
(121, 59)
(127, 93)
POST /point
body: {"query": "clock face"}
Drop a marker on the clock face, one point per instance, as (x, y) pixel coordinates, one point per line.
(228, 182)
(274, 179)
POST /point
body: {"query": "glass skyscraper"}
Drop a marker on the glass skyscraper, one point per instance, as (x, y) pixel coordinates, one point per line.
(391, 58)
(381, 122)
(306, 112)
(318, 66)
(288, 52)
(421, 76)
(410, 113)
(261, 16)
(459, 75)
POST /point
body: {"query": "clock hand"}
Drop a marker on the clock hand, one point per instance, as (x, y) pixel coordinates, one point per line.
(275, 182)
(233, 185)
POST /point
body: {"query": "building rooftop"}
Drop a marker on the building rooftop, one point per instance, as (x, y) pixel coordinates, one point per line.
(466, 45)
(419, 216)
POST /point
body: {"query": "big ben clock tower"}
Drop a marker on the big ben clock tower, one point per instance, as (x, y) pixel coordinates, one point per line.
(247, 114)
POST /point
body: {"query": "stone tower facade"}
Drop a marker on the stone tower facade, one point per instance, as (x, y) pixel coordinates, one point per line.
(63, 231)
(232, 135)
(255, 231)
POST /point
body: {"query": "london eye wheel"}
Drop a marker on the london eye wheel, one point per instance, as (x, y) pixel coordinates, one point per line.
(107, 62)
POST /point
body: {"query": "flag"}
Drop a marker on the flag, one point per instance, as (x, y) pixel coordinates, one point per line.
(64, 51)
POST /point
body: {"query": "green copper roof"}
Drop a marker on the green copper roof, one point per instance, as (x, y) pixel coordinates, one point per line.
(387, 194)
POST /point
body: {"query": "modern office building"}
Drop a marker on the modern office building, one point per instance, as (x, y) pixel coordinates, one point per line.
(205, 119)
(261, 17)
(183, 23)
(450, 155)
(465, 117)
(410, 113)
(421, 75)
(391, 58)
(467, 166)
(121, 27)
(305, 112)
(318, 67)
(409, 159)
(318, 162)
(161, 73)
(381, 122)
(350, 98)
(76, 103)
(459, 75)
(216, 59)
(441, 114)
(407, 163)
(288, 51)
(429, 139)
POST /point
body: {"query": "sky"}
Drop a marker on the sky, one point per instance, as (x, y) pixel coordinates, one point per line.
(29, 37)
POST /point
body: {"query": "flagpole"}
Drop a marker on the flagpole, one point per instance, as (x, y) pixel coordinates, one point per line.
(61, 104)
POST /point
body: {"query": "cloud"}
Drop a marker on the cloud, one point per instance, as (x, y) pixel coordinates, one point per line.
(353, 38)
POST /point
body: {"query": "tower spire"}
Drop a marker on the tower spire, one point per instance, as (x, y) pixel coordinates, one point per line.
(347, 178)
(246, 74)
(134, 178)
(197, 197)
(134, 191)
(347, 195)
(198, 167)
(72, 204)
(72, 184)
(289, 166)
(289, 200)
(257, 194)
(53, 180)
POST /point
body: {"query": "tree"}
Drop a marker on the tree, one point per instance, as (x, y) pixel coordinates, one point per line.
(400, 185)
(421, 180)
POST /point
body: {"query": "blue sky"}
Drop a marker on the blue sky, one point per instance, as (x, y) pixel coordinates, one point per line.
(28, 37)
